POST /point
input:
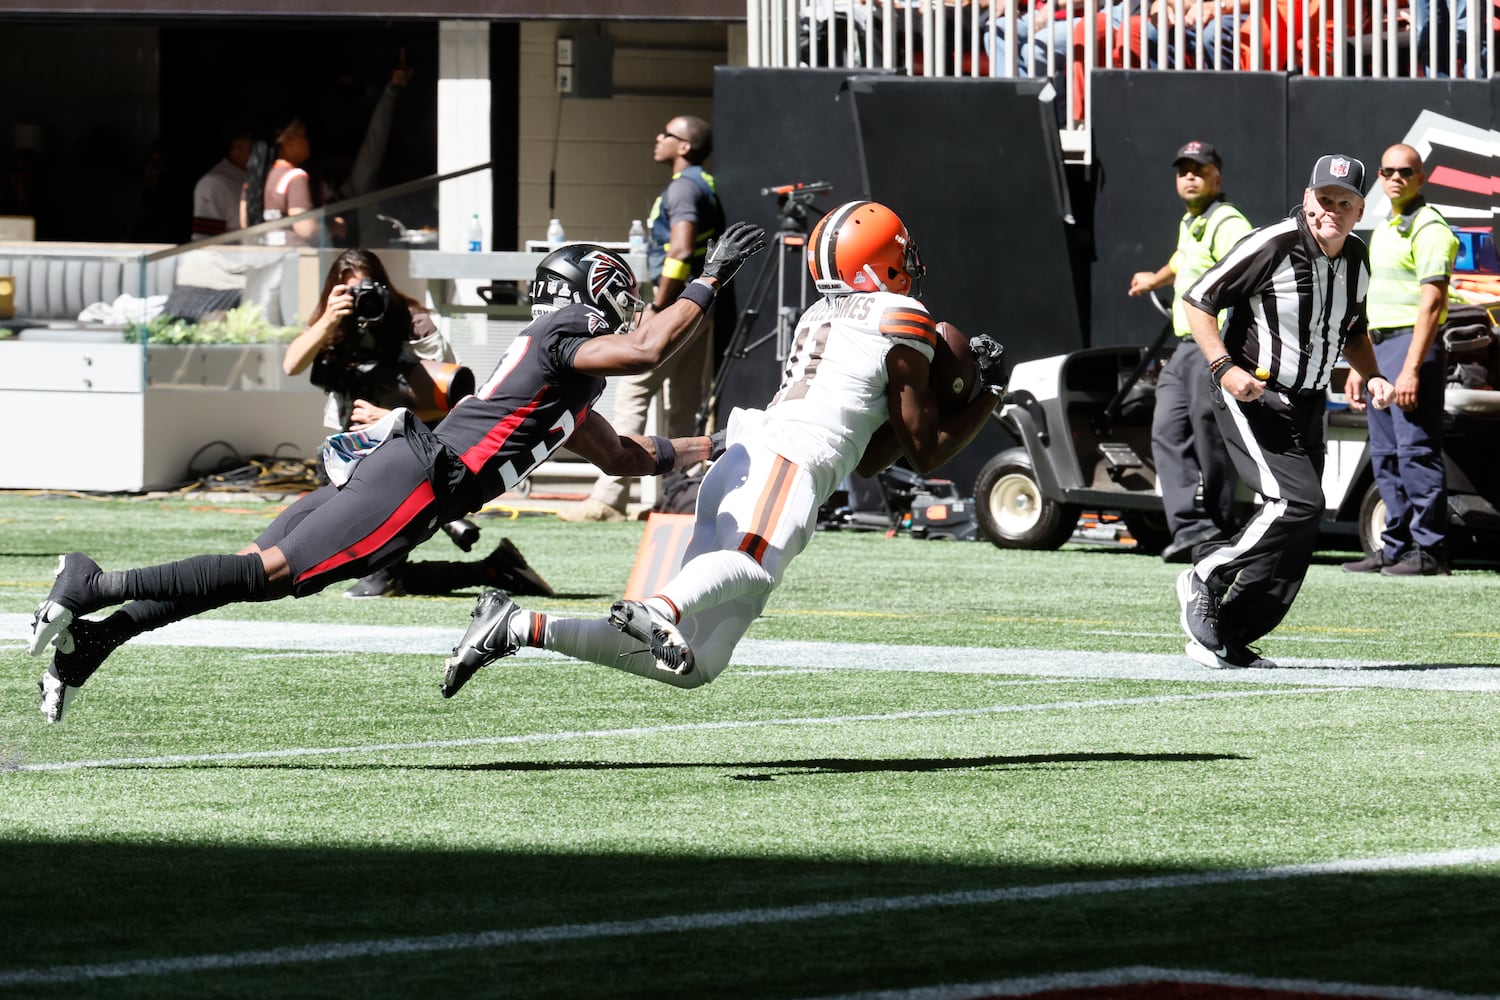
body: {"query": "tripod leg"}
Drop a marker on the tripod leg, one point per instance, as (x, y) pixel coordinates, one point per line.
(759, 292)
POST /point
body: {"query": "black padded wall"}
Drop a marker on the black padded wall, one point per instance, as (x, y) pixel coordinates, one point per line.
(776, 127)
(1140, 121)
(974, 169)
(1451, 118)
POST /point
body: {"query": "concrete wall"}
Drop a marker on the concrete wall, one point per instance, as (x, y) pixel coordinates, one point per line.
(599, 150)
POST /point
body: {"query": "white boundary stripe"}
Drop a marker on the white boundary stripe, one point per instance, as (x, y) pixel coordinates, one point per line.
(1140, 974)
(682, 727)
(693, 922)
(427, 641)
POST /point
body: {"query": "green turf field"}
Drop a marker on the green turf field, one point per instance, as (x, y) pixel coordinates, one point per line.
(936, 763)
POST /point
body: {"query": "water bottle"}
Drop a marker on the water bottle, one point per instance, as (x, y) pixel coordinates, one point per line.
(476, 235)
(555, 232)
(637, 236)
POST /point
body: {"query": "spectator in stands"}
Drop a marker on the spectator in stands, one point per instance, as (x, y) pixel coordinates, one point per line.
(216, 196)
(1412, 253)
(1044, 34)
(1185, 441)
(1430, 21)
(277, 187)
(406, 331)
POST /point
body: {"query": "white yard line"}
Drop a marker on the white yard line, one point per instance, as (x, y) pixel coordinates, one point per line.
(697, 922)
(1141, 974)
(438, 642)
(681, 727)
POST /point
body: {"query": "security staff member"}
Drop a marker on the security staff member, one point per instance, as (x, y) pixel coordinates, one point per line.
(1411, 259)
(1185, 441)
(1296, 294)
(684, 218)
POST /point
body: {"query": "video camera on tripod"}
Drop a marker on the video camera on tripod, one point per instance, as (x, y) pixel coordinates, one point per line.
(790, 238)
(792, 201)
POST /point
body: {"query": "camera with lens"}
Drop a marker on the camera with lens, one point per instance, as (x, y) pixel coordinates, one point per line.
(368, 361)
(362, 356)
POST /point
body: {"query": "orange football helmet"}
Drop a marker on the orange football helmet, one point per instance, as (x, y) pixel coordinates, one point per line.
(862, 246)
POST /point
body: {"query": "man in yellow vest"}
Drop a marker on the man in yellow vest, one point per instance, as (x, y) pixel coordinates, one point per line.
(1185, 440)
(685, 218)
(1411, 260)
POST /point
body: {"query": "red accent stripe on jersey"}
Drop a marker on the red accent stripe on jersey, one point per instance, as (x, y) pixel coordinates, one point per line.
(476, 455)
(415, 503)
(768, 509)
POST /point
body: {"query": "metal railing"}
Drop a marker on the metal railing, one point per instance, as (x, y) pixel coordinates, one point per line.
(1064, 40)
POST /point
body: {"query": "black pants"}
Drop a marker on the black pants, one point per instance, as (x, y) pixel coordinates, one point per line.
(387, 508)
(1276, 443)
(1186, 444)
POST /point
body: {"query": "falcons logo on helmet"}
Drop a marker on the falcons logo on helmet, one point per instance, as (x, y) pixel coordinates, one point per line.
(606, 272)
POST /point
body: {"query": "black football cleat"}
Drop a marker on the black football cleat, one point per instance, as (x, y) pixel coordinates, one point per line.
(487, 640)
(670, 649)
(72, 594)
(62, 680)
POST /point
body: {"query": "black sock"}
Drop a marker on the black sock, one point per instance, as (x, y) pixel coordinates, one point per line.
(219, 578)
(144, 616)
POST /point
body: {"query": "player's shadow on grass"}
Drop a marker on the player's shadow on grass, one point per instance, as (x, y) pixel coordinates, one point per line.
(769, 770)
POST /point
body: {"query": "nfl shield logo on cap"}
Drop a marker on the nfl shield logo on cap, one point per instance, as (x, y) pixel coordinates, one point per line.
(1338, 170)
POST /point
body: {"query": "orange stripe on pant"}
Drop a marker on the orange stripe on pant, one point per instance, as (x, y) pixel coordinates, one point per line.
(768, 509)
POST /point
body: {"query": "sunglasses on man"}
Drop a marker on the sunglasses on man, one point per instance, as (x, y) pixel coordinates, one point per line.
(1393, 171)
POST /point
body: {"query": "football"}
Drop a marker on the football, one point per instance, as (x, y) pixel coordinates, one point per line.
(953, 369)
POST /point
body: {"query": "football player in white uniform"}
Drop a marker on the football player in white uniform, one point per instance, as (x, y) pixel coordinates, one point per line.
(854, 397)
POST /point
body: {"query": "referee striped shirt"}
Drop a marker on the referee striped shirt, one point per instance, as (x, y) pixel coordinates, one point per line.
(1290, 306)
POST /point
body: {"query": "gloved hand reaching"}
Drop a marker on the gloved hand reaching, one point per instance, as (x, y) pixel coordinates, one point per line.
(739, 243)
(989, 354)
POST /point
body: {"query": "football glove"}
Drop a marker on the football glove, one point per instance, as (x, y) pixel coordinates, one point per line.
(739, 243)
(989, 355)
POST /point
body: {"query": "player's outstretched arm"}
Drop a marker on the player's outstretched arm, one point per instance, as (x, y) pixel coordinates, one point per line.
(660, 334)
(635, 454)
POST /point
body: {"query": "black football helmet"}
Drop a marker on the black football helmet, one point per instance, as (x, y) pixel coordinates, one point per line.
(591, 274)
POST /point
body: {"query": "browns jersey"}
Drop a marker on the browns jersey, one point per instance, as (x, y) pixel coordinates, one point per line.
(833, 393)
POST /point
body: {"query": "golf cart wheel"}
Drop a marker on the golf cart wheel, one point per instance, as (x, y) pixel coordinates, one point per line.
(1013, 513)
(1371, 520)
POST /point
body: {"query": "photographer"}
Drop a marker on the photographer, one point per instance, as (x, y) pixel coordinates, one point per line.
(365, 343)
(391, 328)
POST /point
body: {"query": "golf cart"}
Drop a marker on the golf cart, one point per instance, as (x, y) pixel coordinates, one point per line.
(1083, 421)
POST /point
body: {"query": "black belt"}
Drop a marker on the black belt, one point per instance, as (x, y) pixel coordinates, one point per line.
(1381, 336)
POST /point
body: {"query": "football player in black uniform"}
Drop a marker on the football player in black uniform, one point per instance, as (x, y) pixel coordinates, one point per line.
(585, 304)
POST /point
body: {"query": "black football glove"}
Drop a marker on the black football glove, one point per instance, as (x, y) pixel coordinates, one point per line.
(989, 355)
(717, 444)
(739, 243)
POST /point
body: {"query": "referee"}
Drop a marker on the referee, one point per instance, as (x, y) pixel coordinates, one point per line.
(1295, 292)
